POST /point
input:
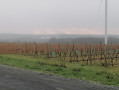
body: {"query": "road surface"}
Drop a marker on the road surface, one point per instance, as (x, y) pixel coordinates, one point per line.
(18, 79)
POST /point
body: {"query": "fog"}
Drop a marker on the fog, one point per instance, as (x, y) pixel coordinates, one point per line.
(57, 17)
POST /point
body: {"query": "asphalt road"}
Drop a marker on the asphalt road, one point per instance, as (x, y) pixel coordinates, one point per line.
(18, 79)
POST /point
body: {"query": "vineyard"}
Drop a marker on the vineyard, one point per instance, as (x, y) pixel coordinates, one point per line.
(104, 55)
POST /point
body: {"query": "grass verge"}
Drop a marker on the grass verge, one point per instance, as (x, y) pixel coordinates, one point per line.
(103, 75)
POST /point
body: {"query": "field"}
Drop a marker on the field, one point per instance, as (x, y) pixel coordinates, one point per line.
(107, 55)
(98, 63)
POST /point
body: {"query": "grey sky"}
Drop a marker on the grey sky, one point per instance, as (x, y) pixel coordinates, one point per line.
(57, 16)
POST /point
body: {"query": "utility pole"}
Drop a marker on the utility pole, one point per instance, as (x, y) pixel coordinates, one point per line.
(106, 25)
(106, 20)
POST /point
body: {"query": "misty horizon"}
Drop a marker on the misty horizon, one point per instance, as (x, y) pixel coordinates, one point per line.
(58, 17)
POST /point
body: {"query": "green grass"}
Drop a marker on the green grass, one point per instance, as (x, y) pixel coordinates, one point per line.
(94, 72)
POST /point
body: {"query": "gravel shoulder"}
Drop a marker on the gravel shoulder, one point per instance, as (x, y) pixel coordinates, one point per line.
(19, 79)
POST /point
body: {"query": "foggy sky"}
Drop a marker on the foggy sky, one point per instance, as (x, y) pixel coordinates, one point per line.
(57, 17)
